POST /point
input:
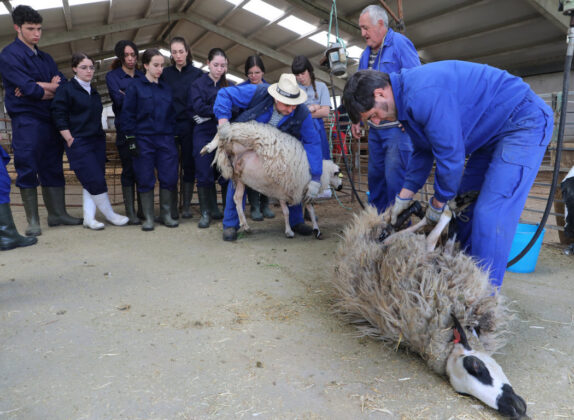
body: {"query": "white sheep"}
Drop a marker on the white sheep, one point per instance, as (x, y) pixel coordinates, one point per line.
(403, 291)
(271, 162)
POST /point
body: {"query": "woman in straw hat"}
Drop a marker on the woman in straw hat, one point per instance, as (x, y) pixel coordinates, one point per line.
(278, 105)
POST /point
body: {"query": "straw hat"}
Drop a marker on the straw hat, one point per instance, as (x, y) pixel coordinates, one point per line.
(287, 90)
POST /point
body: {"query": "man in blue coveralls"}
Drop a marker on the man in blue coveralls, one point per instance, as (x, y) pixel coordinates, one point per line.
(389, 146)
(455, 109)
(277, 105)
(31, 78)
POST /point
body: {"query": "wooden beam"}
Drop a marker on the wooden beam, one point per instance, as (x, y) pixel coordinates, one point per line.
(8, 6)
(352, 28)
(67, 14)
(146, 15)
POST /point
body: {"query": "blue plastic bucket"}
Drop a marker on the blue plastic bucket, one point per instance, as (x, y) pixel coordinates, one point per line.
(524, 233)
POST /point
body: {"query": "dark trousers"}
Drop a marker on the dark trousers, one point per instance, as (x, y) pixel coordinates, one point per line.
(38, 152)
(204, 172)
(156, 152)
(87, 157)
(4, 177)
(128, 177)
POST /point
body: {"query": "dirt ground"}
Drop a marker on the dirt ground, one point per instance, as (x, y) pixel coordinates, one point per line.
(177, 324)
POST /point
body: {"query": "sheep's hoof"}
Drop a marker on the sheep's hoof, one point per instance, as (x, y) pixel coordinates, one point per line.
(203, 151)
(318, 234)
(289, 235)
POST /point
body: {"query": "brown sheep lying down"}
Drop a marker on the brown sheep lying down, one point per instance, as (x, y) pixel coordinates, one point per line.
(271, 162)
(435, 302)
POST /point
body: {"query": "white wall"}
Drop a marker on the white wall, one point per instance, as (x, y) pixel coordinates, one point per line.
(548, 83)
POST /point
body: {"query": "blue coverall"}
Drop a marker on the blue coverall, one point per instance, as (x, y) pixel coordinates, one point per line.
(180, 83)
(38, 147)
(455, 109)
(118, 82)
(74, 109)
(148, 115)
(240, 98)
(4, 177)
(201, 99)
(389, 147)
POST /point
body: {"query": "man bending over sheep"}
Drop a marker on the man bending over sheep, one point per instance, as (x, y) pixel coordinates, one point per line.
(454, 109)
(281, 106)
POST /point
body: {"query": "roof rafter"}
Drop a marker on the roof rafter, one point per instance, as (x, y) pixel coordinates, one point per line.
(549, 9)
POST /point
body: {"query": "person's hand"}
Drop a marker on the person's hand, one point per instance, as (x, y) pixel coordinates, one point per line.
(224, 130)
(401, 204)
(18, 93)
(56, 79)
(356, 130)
(433, 212)
(69, 141)
(313, 189)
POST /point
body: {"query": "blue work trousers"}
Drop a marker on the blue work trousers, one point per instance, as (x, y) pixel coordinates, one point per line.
(389, 152)
(128, 177)
(87, 157)
(156, 152)
(204, 172)
(503, 172)
(38, 153)
(231, 218)
(4, 177)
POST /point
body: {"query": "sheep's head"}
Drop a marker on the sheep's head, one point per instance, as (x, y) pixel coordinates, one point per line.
(476, 373)
(332, 175)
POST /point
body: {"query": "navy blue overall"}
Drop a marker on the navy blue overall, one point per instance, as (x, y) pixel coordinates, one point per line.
(38, 147)
(389, 148)
(454, 109)
(180, 83)
(258, 105)
(4, 177)
(118, 82)
(74, 109)
(148, 115)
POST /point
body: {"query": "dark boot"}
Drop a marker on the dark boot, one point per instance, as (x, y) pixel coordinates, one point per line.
(30, 200)
(147, 210)
(129, 198)
(55, 200)
(254, 201)
(9, 236)
(174, 204)
(216, 214)
(140, 213)
(230, 234)
(267, 212)
(166, 208)
(186, 205)
(204, 207)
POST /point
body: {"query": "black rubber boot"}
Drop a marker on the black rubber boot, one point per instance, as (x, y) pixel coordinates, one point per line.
(267, 212)
(147, 210)
(204, 207)
(129, 204)
(254, 201)
(55, 201)
(140, 213)
(166, 208)
(230, 234)
(302, 229)
(30, 201)
(186, 205)
(216, 214)
(9, 236)
(174, 204)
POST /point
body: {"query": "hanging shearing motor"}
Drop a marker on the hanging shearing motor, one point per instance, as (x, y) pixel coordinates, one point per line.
(335, 55)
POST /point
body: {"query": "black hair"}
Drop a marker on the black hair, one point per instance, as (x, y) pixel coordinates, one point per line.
(149, 54)
(25, 14)
(253, 61)
(120, 51)
(299, 65)
(77, 58)
(181, 40)
(214, 52)
(358, 93)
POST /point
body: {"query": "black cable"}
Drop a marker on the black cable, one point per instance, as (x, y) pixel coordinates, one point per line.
(340, 137)
(561, 124)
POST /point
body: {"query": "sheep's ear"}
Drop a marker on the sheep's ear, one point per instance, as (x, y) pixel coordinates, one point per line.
(459, 334)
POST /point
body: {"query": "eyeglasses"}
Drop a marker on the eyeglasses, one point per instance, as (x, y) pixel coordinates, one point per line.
(91, 68)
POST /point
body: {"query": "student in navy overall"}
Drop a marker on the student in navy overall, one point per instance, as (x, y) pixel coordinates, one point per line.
(280, 105)
(259, 203)
(455, 109)
(30, 78)
(77, 113)
(389, 146)
(148, 120)
(124, 72)
(179, 76)
(201, 98)
(9, 236)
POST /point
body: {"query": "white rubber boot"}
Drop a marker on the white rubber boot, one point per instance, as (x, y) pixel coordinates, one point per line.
(103, 203)
(90, 212)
